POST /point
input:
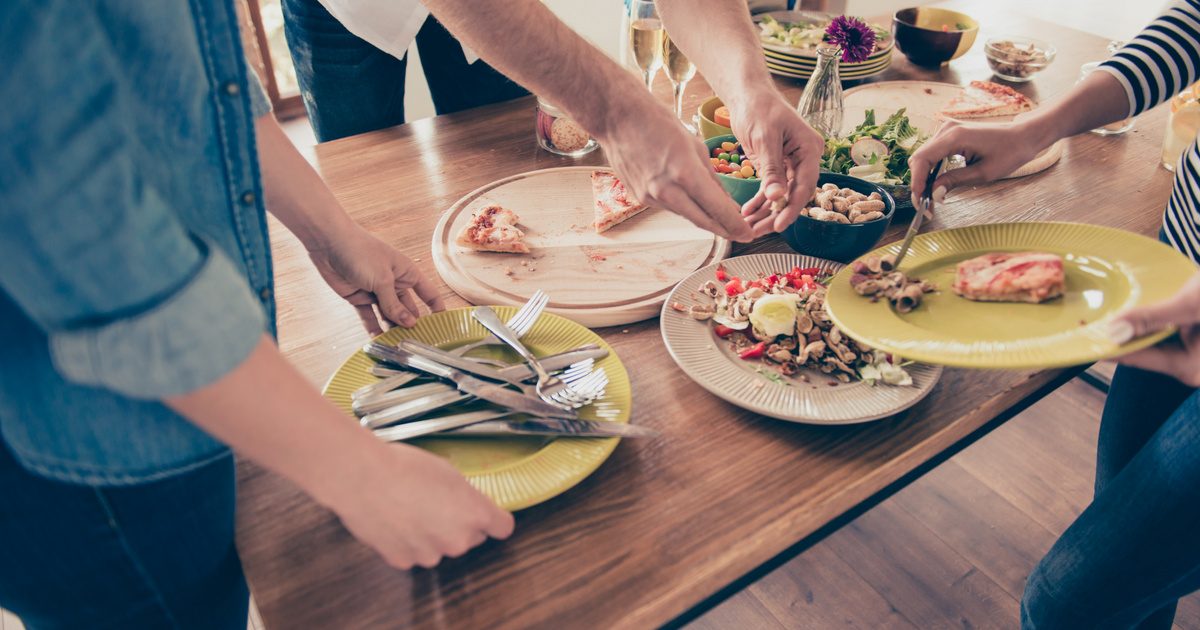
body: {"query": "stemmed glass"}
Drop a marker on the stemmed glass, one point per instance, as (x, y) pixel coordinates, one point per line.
(646, 37)
(680, 70)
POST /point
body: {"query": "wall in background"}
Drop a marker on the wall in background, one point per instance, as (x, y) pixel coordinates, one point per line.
(600, 23)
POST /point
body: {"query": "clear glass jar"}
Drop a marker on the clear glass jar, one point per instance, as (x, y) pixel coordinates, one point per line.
(1121, 126)
(1183, 125)
(558, 134)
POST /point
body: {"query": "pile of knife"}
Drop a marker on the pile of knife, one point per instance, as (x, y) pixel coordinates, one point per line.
(418, 379)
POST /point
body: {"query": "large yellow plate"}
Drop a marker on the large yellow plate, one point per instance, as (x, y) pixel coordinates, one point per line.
(515, 472)
(1107, 270)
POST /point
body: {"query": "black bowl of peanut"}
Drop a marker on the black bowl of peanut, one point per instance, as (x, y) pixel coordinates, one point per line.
(845, 219)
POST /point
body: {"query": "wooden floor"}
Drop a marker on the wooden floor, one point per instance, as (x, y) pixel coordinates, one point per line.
(953, 549)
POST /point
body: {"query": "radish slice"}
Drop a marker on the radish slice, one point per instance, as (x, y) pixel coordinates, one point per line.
(864, 149)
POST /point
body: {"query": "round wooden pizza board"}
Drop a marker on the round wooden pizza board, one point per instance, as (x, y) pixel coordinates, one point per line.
(618, 277)
(925, 99)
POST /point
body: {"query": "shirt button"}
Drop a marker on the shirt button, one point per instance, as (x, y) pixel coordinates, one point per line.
(265, 294)
(248, 198)
(232, 89)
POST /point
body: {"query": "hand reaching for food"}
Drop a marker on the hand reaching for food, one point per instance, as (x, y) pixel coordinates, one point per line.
(992, 151)
(663, 166)
(787, 155)
(1178, 356)
(370, 275)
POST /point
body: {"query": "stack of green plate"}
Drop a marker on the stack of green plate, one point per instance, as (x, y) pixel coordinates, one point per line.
(799, 63)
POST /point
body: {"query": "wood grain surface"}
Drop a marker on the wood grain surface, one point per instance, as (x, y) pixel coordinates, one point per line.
(618, 277)
(666, 525)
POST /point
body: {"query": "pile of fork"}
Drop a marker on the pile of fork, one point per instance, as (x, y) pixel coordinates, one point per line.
(540, 396)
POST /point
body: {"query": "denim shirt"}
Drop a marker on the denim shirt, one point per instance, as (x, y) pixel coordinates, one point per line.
(134, 261)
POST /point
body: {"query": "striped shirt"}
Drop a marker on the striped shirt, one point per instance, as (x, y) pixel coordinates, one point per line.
(1163, 60)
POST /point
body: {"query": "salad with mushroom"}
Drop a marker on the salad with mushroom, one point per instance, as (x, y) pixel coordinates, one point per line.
(875, 152)
(780, 322)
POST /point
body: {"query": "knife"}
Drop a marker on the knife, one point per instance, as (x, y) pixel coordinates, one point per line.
(436, 425)
(926, 202)
(412, 409)
(549, 426)
(487, 423)
(467, 384)
(370, 404)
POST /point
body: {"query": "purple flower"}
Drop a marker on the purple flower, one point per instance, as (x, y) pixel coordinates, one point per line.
(855, 37)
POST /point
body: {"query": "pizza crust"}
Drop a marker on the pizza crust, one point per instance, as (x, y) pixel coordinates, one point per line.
(984, 99)
(494, 229)
(613, 202)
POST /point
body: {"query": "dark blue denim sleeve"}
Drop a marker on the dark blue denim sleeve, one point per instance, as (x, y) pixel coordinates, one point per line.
(88, 249)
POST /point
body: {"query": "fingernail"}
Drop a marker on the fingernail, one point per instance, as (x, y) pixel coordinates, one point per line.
(939, 194)
(1120, 331)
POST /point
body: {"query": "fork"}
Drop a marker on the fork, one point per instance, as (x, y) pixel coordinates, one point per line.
(550, 388)
(520, 323)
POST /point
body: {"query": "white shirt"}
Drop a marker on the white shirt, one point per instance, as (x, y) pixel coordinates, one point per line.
(389, 25)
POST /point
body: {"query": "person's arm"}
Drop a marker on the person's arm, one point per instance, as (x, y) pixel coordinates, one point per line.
(364, 270)
(132, 302)
(786, 150)
(656, 158)
(412, 506)
(1162, 60)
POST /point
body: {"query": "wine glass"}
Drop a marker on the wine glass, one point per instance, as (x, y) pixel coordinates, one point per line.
(646, 36)
(679, 70)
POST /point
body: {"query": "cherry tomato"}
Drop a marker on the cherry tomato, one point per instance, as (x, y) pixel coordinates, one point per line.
(722, 275)
(723, 331)
(734, 286)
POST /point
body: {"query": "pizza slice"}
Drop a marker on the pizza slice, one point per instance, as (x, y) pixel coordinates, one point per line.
(1011, 277)
(614, 204)
(494, 229)
(984, 99)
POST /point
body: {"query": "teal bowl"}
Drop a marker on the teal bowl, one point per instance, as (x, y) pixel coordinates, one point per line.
(742, 190)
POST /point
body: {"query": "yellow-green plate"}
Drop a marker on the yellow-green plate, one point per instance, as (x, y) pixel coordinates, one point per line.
(516, 472)
(1107, 270)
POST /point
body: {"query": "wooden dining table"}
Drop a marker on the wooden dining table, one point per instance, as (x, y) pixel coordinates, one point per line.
(667, 527)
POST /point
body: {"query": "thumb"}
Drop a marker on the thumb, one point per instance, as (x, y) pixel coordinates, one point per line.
(1141, 321)
(768, 161)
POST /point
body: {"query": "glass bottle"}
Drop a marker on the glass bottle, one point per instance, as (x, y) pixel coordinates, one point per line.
(822, 104)
(1183, 125)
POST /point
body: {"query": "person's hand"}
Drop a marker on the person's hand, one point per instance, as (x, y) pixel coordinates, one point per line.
(1178, 356)
(412, 506)
(787, 155)
(664, 166)
(370, 274)
(992, 151)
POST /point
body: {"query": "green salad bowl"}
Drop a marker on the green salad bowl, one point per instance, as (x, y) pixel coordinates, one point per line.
(742, 190)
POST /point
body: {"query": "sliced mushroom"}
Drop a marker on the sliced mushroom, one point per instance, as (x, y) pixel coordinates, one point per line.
(835, 335)
(788, 368)
(839, 364)
(873, 264)
(753, 293)
(804, 322)
(710, 289)
(867, 287)
(811, 351)
(844, 353)
(701, 312)
(814, 336)
(887, 262)
(779, 354)
(788, 343)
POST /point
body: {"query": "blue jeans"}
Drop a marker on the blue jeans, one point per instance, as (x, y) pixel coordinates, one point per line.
(156, 555)
(1136, 549)
(351, 87)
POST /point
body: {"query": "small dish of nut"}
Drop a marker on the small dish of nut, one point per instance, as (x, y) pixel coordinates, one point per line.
(844, 205)
(1017, 59)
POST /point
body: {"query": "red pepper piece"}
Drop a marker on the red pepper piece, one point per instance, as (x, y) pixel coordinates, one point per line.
(723, 331)
(734, 286)
(754, 352)
(722, 275)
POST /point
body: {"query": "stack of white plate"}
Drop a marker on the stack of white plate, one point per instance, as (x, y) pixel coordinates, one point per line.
(799, 63)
